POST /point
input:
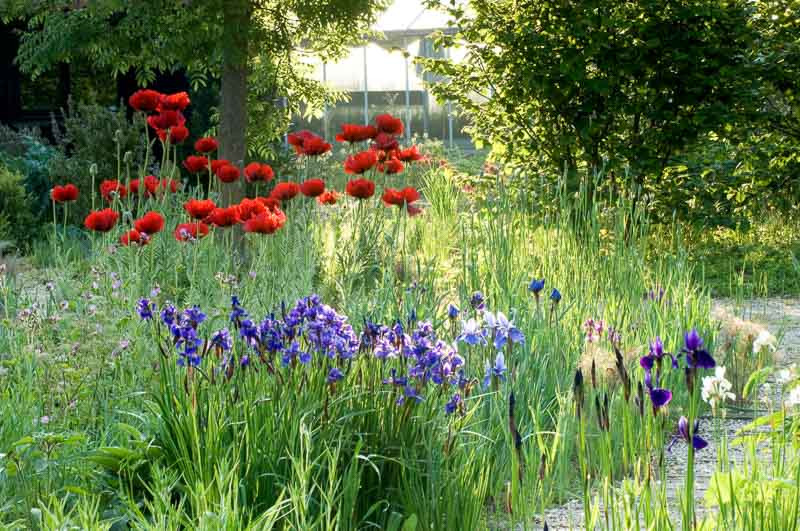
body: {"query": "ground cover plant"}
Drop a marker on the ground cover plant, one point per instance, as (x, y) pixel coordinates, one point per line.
(362, 341)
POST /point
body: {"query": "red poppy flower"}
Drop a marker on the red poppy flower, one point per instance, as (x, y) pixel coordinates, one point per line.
(166, 119)
(177, 134)
(170, 184)
(62, 194)
(266, 223)
(249, 208)
(315, 146)
(298, 138)
(360, 162)
(360, 188)
(217, 164)
(391, 166)
(329, 197)
(285, 191)
(255, 171)
(199, 208)
(145, 100)
(150, 223)
(134, 236)
(110, 189)
(150, 184)
(385, 142)
(195, 163)
(389, 124)
(228, 173)
(224, 217)
(190, 231)
(269, 203)
(356, 133)
(101, 220)
(409, 155)
(174, 102)
(312, 187)
(393, 197)
(206, 145)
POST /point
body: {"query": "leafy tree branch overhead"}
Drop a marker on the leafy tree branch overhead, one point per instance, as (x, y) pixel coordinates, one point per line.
(226, 39)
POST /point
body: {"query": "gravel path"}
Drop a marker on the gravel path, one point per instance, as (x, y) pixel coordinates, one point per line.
(782, 318)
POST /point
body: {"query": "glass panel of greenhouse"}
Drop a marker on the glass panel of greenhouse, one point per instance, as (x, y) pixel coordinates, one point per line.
(382, 77)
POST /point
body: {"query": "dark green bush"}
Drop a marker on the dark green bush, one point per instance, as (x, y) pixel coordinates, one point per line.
(17, 221)
(87, 136)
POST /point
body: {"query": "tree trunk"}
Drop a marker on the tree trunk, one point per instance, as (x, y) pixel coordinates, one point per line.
(233, 104)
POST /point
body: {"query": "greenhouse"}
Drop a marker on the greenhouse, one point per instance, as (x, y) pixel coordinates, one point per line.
(381, 77)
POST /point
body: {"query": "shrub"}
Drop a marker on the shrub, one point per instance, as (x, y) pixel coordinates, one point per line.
(17, 221)
(89, 136)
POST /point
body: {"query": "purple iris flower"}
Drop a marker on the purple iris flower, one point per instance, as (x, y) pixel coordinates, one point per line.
(472, 333)
(453, 311)
(683, 432)
(395, 380)
(294, 352)
(145, 309)
(477, 301)
(221, 339)
(453, 404)
(237, 312)
(495, 372)
(696, 355)
(384, 348)
(169, 315)
(659, 398)
(536, 286)
(334, 375)
(503, 328)
(411, 393)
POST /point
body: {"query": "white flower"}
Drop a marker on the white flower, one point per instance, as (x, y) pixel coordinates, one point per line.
(764, 339)
(716, 389)
(794, 397)
(787, 375)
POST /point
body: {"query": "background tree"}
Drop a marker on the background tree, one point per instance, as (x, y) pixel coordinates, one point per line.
(225, 39)
(596, 85)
